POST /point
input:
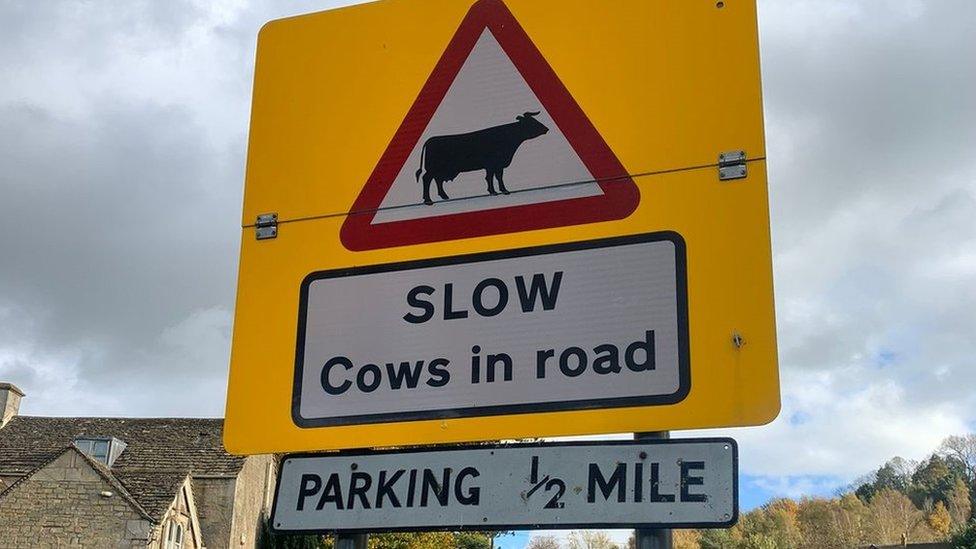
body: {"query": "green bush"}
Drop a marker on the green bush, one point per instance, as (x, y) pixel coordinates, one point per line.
(965, 538)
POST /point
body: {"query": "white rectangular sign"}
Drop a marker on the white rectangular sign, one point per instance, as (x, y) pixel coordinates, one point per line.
(593, 324)
(660, 483)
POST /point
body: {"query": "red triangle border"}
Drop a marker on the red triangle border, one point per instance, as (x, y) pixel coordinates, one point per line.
(620, 194)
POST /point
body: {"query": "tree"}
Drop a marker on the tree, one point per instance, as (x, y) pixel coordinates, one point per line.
(959, 504)
(774, 524)
(939, 519)
(818, 519)
(760, 541)
(965, 538)
(935, 479)
(590, 539)
(544, 542)
(893, 515)
(269, 540)
(832, 523)
(686, 539)
(850, 520)
(419, 540)
(474, 540)
(895, 475)
(717, 538)
(962, 448)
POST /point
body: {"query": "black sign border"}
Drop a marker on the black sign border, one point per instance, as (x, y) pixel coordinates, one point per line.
(681, 300)
(733, 519)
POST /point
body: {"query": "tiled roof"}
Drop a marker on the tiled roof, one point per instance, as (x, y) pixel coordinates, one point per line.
(154, 491)
(159, 453)
(153, 444)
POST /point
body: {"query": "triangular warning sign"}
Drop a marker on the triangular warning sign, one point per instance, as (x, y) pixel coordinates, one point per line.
(493, 144)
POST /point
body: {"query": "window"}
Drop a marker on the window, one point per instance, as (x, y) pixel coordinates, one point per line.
(101, 449)
(174, 535)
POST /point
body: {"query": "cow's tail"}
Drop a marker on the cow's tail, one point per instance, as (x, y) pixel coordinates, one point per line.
(423, 151)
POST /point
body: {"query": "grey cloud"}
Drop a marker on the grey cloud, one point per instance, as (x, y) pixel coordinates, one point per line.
(871, 100)
(122, 137)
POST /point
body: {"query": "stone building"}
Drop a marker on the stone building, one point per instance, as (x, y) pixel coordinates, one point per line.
(123, 482)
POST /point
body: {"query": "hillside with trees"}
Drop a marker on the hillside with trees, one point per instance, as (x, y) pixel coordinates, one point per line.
(903, 501)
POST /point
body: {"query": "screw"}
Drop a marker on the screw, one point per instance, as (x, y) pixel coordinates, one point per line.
(354, 466)
(642, 455)
(737, 340)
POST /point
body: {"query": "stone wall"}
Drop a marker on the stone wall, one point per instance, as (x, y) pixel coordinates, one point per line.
(253, 495)
(230, 510)
(214, 498)
(62, 506)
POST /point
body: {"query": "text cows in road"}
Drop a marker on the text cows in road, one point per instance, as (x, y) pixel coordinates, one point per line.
(444, 157)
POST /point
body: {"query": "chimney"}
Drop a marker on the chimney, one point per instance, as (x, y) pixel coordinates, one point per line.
(10, 397)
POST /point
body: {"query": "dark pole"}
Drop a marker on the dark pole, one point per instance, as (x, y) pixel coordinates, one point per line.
(653, 538)
(351, 541)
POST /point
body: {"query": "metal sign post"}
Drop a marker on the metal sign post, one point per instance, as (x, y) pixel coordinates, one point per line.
(352, 541)
(653, 538)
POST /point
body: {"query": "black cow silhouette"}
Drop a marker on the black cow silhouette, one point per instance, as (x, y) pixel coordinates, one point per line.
(491, 149)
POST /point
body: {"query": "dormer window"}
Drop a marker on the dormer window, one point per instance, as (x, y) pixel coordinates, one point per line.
(102, 449)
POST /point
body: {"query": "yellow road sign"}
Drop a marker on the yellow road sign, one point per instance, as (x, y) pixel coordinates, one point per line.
(476, 220)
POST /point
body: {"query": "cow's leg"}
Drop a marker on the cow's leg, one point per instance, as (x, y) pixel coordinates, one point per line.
(501, 182)
(440, 189)
(427, 179)
(490, 178)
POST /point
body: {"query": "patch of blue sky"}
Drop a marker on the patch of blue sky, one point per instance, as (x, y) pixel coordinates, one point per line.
(885, 358)
(518, 540)
(799, 418)
(755, 491)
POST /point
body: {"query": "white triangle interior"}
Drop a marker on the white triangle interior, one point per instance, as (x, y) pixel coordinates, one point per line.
(490, 91)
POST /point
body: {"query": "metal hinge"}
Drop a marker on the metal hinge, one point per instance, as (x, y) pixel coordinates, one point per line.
(266, 226)
(731, 165)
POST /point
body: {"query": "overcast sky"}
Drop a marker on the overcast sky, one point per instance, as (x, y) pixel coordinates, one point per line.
(122, 136)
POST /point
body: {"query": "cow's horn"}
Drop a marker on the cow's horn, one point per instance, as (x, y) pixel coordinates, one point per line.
(532, 113)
